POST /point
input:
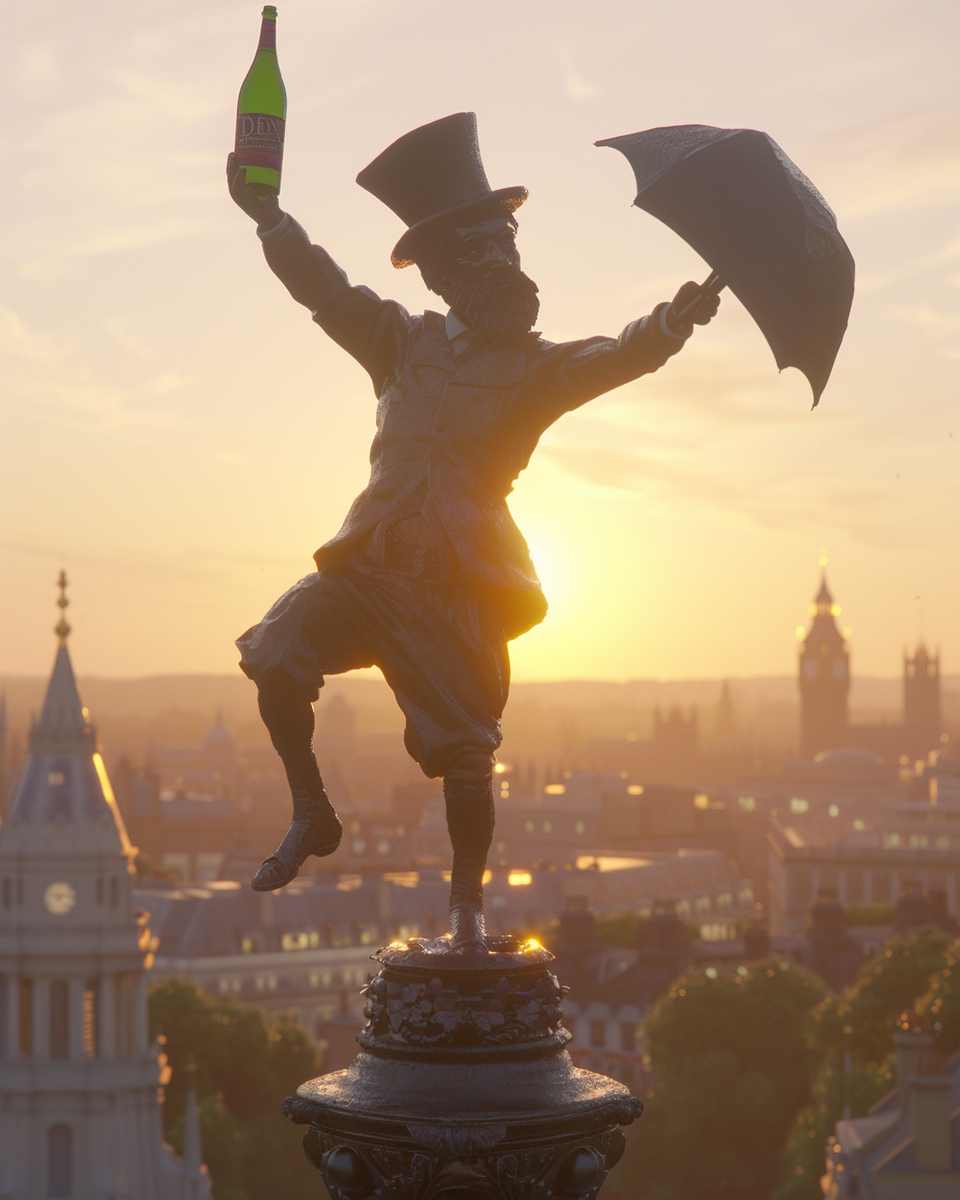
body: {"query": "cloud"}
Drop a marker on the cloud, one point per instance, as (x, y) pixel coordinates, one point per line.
(776, 498)
(41, 373)
(927, 318)
(895, 164)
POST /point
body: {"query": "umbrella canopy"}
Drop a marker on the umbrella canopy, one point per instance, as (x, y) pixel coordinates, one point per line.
(745, 208)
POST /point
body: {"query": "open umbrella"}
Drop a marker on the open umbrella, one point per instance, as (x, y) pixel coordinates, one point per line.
(763, 227)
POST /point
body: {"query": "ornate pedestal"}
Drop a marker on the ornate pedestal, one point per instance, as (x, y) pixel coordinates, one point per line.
(462, 1087)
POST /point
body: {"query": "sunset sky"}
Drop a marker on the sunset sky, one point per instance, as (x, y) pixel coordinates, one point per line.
(178, 433)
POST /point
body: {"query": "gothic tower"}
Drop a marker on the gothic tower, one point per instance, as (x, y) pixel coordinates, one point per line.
(824, 679)
(921, 702)
(79, 1110)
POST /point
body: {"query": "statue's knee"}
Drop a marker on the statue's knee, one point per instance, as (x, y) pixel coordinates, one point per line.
(472, 763)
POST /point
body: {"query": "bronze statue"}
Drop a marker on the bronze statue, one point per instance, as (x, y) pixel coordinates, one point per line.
(429, 578)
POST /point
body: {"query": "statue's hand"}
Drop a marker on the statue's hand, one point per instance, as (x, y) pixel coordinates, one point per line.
(702, 313)
(267, 213)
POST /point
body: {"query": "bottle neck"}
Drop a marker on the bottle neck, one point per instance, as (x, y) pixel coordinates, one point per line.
(268, 34)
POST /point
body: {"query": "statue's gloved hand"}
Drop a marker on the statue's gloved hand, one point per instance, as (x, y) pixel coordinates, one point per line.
(702, 313)
(267, 213)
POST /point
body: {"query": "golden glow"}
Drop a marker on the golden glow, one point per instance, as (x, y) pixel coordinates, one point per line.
(835, 610)
(801, 633)
(531, 944)
(487, 876)
(500, 768)
(635, 789)
(823, 558)
(104, 780)
(555, 789)
(701, 801)
(519, 878)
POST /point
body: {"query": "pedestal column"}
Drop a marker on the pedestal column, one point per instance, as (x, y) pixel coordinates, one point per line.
(463, 1086)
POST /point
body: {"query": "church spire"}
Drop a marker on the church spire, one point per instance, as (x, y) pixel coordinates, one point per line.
(62, 629)
(63, 802)
(63, 725)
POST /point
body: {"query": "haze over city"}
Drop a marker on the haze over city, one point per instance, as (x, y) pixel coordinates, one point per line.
(182, 437)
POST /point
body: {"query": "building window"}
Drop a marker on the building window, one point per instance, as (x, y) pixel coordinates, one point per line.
(91, 1018)
(59, 1162)
(114, 892)
(4, 1015)
(25, 1019)
(100, 891)
(598, 1033)
(7, 893)
(628, 1036)
(59, 1019)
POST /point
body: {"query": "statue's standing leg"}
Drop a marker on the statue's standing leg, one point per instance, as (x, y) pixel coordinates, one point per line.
(468, 795)
(315, 827)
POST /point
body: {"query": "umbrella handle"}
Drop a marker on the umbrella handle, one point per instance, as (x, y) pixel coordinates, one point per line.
(713, 285)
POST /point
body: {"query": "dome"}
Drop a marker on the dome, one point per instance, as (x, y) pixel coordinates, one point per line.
(849, 759)
(218, 736)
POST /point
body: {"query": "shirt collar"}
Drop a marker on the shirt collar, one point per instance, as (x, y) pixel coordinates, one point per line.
(458, 335)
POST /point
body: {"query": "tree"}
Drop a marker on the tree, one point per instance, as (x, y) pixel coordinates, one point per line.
(852, 1039)
(241, 1063)
(731, 1068)
(940, 1007)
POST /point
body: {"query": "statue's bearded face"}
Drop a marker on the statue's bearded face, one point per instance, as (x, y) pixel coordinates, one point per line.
(476, 269)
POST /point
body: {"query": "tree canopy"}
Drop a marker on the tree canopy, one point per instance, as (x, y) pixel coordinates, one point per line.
(732, 1068)
(852, 1038)
(241, 1063)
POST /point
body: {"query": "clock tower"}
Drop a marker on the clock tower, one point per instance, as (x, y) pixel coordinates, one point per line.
(79, 1110)
(824, 679)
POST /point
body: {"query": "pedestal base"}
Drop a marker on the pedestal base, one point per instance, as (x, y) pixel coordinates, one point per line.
(463, 1087)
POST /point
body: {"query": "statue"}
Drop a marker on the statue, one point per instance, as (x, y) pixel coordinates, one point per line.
(429, 578)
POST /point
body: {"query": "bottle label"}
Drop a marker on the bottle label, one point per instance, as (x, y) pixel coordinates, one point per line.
(259, 140)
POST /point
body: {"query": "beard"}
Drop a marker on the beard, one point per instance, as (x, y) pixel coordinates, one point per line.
(498, 304)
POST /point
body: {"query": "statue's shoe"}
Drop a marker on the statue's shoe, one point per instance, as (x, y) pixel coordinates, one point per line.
(468, 928)
(317, 835)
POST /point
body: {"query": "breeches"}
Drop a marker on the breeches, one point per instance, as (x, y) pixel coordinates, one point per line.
(442, 653)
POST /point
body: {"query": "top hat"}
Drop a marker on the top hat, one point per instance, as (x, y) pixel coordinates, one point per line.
(431, 173)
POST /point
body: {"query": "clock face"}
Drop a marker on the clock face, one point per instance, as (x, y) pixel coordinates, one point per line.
(59, 898)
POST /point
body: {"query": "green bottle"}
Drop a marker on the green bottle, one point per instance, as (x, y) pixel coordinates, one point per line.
(261, 115)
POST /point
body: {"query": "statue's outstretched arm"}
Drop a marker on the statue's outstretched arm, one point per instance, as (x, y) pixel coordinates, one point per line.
(374, 331)
(570, 374)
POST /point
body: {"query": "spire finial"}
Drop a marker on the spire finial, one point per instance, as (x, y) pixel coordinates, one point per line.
(62, 629)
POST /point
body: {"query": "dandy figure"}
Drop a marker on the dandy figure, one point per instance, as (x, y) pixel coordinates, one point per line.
(429, 578)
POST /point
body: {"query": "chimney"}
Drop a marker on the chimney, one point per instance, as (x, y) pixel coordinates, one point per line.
(910, 1045)
(930, 1114)
(756, 943)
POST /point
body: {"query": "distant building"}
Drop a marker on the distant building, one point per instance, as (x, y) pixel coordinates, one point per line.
(824, 681)
(908, 1145)
(4, 784)
(79, 1108)
(305, 949)
(824, 675)
(862, 869)
(921, 702)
